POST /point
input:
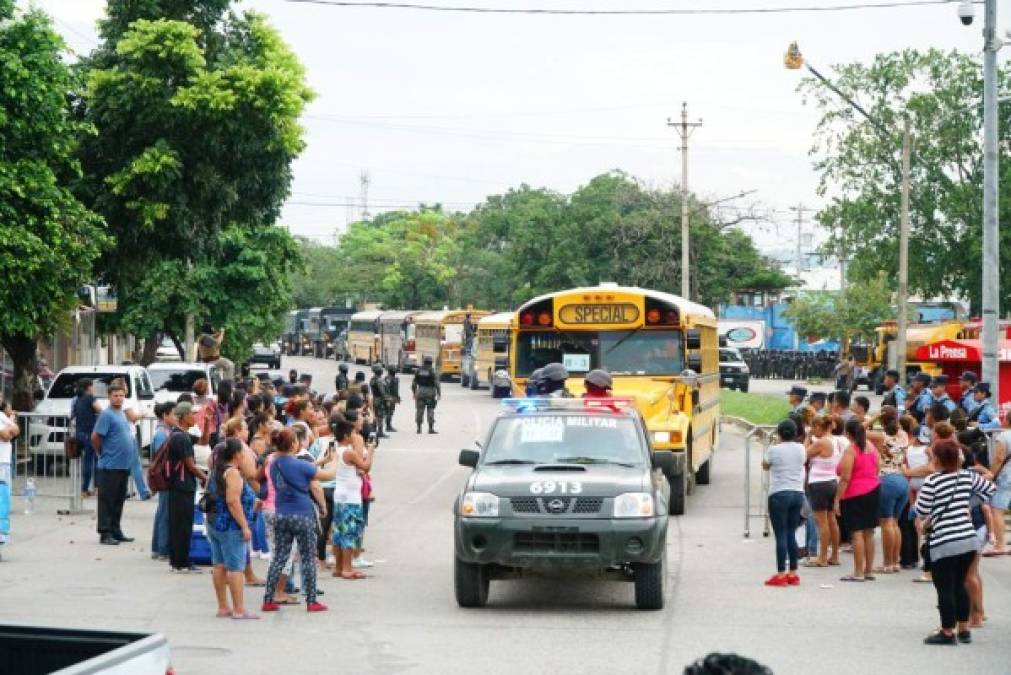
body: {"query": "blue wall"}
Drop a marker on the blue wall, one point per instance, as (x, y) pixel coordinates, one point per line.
(783, 333)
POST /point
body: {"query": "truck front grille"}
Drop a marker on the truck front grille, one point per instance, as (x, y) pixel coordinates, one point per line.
(555, 542)
(556, 506)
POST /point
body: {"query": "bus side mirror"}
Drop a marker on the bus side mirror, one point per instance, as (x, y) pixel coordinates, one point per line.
(723, 340)
(693, 338)
(469, 458)
(695, 362)
(500, 344)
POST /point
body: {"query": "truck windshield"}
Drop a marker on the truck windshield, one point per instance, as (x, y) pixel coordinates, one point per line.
(65, 386)
(453, 332)
(623, 352)
(579, 439)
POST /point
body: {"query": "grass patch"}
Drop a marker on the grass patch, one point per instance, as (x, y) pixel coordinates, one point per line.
(755, 408)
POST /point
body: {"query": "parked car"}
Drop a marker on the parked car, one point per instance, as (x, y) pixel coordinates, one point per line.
(734, 372)
(171, 379)
(48, 425)
(167, 350)
(268, 355)
(36, 650)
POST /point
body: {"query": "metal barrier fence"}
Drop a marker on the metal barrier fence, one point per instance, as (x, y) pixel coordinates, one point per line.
(762, 436)
(39, 456)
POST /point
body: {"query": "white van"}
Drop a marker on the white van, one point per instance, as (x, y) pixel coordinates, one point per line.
(47, 427)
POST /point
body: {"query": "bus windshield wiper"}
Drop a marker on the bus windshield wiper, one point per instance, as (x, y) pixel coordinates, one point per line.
(622, 340)
(510, 461)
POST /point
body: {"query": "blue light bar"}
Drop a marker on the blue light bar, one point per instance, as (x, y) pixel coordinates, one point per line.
(534, 404)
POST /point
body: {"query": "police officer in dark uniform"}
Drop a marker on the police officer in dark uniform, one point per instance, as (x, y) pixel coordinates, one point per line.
(379, 397)
(392, 395)
(967, 383)
(895, 395)
(552, 382)
(469, 330)
(427, 391)
(342, 381)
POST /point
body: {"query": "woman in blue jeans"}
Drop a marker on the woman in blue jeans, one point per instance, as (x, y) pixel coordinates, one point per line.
(785, 463)
(228, 528)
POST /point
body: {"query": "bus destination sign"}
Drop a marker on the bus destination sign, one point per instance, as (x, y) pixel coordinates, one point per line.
(610, 313)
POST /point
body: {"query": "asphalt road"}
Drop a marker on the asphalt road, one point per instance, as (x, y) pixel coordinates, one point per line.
(404, 618)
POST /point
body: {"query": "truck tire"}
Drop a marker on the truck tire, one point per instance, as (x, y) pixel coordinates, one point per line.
(464, 380)
(678, 492)
(471, 584)
(702, 475)
(649, 585)
(474, 383)
(743, 387)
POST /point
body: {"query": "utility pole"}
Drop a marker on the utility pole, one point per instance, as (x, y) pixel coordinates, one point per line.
(364, 180)
(991, 170)
(684, 129)
(903, 293)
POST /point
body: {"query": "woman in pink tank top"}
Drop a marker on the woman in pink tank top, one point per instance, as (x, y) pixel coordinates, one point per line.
(857, 498)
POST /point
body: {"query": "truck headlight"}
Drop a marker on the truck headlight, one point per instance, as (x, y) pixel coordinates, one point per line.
(661, 437)
(479, 505)
(745, 370)
(634, 505)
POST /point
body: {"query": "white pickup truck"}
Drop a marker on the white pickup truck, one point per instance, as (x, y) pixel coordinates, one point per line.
(49, 421)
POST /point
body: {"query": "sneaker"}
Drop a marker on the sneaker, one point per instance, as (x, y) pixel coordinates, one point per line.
(939, 638)
(777, 580)
(361, 562)
(270, 607)
(316, 607)
(964, 636)
(264, 556)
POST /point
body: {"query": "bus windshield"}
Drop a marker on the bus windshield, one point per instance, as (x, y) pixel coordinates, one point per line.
(623, 352)
(453, 332)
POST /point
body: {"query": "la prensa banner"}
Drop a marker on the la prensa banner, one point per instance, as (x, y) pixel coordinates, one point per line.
(743, 334)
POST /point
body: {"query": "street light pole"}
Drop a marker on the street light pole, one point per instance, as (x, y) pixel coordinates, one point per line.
(684, 129)
(991, 169)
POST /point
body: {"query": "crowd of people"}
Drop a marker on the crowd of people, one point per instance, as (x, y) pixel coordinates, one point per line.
(288, 472)
(920, 469)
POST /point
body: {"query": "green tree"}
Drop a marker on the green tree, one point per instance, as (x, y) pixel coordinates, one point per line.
(316, 284)
(48, 239)
(850, 316)
(940, 93)
(197, 121)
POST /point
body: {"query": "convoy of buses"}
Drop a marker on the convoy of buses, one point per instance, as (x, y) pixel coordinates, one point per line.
(661, 350)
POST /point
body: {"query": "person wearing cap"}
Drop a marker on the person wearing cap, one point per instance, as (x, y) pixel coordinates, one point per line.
(895, 395)
(920, 398)
(552, 384)
(817, 402)
(292, 376)
(427, 392)
(967, 383)
(939, 392)
(598, 384)
(796, 397)
(183, 476)
(984, 415)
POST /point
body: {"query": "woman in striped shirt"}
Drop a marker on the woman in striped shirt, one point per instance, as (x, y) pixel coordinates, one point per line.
(944, 503)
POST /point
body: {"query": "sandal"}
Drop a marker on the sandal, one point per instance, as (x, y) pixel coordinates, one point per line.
(353, 576)
(288, 601)
(815, 563)
(870, 577)
(258, 583)
(223, 613)
(850, 577)
(923, 579)
(993, 553)
(245, 616)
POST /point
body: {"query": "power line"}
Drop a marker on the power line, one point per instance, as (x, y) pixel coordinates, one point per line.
(622, 12)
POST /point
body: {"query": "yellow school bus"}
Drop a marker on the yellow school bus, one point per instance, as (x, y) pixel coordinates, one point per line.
(661, 350)
(440, 336)
(491, 349)
(363, 337)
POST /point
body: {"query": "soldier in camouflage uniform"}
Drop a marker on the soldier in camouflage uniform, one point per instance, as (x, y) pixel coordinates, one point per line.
(392, 395)
(341, 382)
(426, 390)
(379, 398)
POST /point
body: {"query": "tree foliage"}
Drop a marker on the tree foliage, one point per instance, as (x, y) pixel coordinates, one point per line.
(848, 316)
(529, 241)
(197, 127)
(941, 94)
(48, 239)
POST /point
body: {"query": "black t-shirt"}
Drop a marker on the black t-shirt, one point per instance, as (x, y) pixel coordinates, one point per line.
(180, 447)
(84, 414)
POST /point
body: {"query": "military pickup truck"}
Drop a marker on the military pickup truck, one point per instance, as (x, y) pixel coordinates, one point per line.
(563, 487)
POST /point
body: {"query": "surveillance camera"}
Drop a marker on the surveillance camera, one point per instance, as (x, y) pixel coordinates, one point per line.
(966, 12)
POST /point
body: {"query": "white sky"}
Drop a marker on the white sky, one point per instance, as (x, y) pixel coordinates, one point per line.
(450, 108)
